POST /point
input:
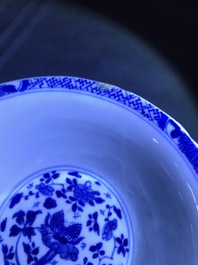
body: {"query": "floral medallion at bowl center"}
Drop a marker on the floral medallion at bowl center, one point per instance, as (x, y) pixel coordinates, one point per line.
(65, 216)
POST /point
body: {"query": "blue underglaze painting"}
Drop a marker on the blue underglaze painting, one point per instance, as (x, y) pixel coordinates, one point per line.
(65, 216)
(133, 102)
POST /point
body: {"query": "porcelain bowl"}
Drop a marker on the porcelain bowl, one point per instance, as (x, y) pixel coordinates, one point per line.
(93, 175)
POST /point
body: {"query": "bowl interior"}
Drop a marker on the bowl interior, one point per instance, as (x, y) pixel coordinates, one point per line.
(47, 129)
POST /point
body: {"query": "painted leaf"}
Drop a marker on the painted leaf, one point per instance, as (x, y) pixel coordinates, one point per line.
(74, 181)
(69, 188)
(4, 249)
(31, 216)
(95, 216)
(10, 256)
(55, 176)
(72, 198)
(96, 193)
(46, 175)
(26, 248)
(89, 222)
(29, 232)
(125, 243)
(96, 228)
(69, 181)
(14, 230)
(80, 209)
(119, 241)
(81, 203)
(75, 174)
(99, 246)
(97, 183)
(85, 260)
(30, 259)
(3, 225)
(20, 215)
(35, 251)
(15, 200)
(92, 248)
(99, 200)
(74, 207)
(118, 212)
(91, 203)
(95, 255)
(102, 252)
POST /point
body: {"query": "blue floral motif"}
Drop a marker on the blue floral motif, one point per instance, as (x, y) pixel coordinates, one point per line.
(50, 176)
(43, 235)
(60, 239)
(16, 199)
(123, 245)
(61, 193)
(31, 252)
(82, 194)
(50, 203)
(45, 189)
(86, 262)
(23, 227)
(92, 223)
(97, 250)
(75, 174)
(108, 229)
(3, 225)
(8, 254)
(110, 225)
(24, 223)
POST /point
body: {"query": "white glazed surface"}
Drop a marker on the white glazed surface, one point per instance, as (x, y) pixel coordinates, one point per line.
(57, 128)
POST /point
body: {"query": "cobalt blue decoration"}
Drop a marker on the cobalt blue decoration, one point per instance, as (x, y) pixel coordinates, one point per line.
(64, 216)
(126, 99)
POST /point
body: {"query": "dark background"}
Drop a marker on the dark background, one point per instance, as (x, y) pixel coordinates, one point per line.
(147, 47)
(171, 27)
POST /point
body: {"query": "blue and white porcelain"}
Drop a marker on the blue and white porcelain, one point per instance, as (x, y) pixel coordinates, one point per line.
(93, 175)
(60, 216)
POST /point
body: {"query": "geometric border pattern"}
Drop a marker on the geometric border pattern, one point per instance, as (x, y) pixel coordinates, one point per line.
(169, 126)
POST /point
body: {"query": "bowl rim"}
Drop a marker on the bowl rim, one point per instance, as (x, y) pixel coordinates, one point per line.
(156, 117)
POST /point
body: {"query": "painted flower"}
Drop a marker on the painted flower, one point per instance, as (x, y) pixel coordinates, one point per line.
(50, 203)
(45, 189)
(24, 224)
(31, 252)
(60, 239)
(8, 254)
(93, 223)
(97, 250)
(123, 245)
(82, 194)
(108, 228)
